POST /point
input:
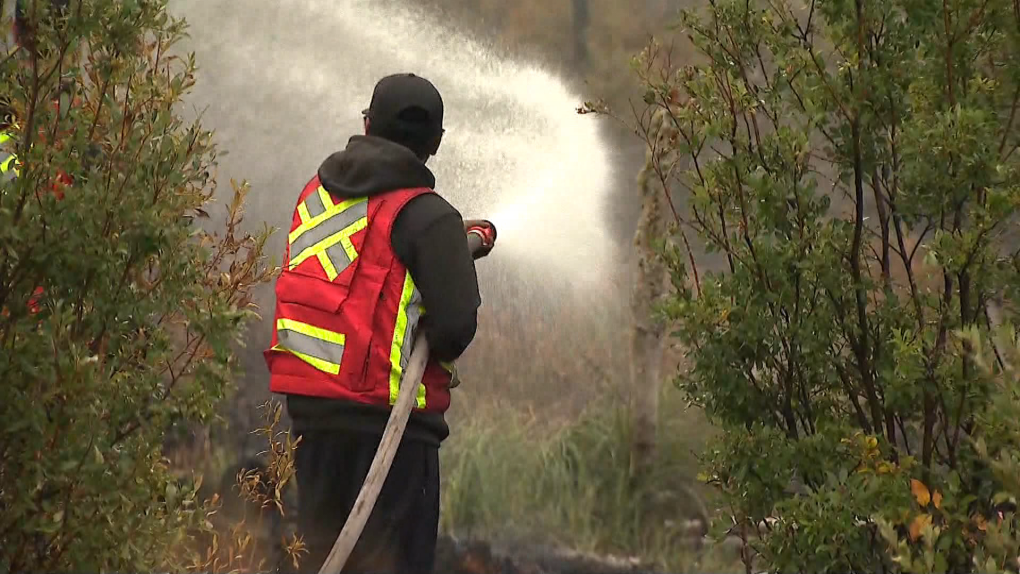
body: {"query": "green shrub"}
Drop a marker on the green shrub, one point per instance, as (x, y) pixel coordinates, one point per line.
(139, 307)
(983, 523)
(854, 167)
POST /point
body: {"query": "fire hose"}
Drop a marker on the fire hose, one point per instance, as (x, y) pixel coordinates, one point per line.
(478, 237)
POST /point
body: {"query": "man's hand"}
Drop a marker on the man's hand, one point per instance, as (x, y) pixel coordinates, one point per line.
(486, 231)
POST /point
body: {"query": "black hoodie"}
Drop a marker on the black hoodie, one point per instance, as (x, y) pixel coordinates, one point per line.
(428, 238)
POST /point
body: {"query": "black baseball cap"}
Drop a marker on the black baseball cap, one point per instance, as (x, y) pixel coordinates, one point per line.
(407, 109)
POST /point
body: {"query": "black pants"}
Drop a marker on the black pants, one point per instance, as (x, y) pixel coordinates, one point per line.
(400, 536)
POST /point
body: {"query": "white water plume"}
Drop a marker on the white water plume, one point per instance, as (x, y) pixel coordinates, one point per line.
(284, 83)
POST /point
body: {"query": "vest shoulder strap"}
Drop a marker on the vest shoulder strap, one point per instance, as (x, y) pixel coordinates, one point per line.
(393, 202)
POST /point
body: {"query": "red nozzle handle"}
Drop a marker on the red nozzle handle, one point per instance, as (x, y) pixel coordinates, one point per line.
(481, 237)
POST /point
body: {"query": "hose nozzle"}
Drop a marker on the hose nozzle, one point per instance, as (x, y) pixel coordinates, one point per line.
(481, 236)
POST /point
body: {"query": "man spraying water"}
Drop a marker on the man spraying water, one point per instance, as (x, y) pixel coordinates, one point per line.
(374, 255)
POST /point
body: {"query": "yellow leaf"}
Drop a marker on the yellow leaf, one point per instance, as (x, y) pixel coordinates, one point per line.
(920, 491)
(937, 499)
(920, 522)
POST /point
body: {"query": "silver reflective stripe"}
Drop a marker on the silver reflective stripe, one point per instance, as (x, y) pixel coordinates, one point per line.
(313, 203)
(413, 314)
(338, 256)
(314, 347)
(7, 172)
(333, 225)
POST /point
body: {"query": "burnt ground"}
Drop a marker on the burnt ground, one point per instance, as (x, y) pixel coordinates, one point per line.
(480, 557)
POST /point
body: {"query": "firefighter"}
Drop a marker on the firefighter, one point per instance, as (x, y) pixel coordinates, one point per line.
(374, 254)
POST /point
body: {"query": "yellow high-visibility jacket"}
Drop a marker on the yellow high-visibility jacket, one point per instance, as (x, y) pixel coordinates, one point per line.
(8, 161)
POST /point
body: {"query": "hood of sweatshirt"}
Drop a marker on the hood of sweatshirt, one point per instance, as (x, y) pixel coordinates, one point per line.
(371, 165)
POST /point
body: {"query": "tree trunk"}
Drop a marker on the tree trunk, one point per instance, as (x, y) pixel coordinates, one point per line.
(648, 336)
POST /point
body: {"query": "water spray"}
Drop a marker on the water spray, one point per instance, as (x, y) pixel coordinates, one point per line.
(515, 149)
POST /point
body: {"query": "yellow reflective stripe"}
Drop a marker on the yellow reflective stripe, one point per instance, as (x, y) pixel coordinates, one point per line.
(322, 228)
(397, 350)
(324, 197)
(8, 163)
(343, 236)
(420, 399)
(327, 265)
(330, 212)
(331, 368)
(345, 239)
(310, 330)
(319, 347)
(5, 166)
(396, 370)
(341, 254)
(314, 205)
(302, 210)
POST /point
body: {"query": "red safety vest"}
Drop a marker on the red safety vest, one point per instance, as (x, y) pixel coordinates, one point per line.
(347, 309)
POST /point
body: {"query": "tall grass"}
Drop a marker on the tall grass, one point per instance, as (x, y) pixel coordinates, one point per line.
(511, 476)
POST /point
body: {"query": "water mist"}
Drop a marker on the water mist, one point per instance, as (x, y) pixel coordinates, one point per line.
(283, 85)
